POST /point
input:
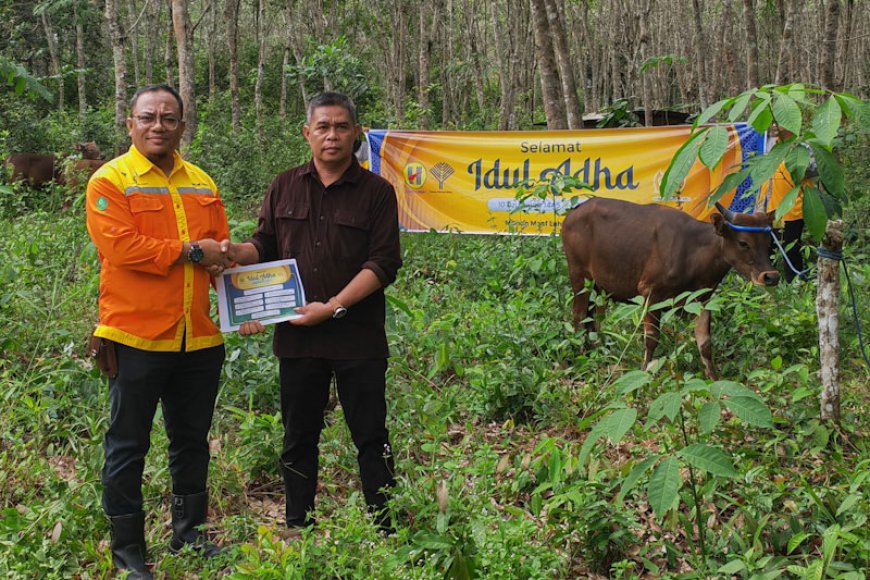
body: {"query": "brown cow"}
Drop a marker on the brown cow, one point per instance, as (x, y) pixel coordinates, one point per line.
(658, 252)
(35, 169)
(89, 150)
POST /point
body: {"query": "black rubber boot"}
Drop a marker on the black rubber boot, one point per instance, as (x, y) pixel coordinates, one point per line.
(128, 545)
(189, 512)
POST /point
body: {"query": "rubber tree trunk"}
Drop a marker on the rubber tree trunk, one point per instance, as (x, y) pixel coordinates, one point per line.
(827, 303)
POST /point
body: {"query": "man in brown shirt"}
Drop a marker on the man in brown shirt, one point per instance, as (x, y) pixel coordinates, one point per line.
(340, 222)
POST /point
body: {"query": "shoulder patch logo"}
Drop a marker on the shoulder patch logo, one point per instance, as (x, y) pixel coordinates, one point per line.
(102, 203)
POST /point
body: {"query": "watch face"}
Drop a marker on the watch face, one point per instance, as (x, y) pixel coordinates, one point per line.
(195, 254)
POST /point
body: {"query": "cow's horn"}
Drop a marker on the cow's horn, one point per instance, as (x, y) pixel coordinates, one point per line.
(726, 213)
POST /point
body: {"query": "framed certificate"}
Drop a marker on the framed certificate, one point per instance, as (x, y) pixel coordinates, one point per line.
(266, 292)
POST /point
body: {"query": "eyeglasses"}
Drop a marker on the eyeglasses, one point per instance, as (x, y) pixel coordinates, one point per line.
(169, 122)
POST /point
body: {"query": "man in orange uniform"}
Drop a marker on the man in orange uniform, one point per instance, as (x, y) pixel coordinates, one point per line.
(155, 220)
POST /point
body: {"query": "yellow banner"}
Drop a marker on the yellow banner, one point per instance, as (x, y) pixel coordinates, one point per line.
(467, 182)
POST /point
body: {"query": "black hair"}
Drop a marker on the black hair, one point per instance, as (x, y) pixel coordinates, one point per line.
(330, 99)
(154, 89)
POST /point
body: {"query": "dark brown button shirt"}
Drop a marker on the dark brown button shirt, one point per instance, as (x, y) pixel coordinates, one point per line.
(333, 232)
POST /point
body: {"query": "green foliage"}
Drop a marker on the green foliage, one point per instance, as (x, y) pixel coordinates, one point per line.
(21, 81)
(335, 67)
(619, 114)
(785, 106)
(241, 164)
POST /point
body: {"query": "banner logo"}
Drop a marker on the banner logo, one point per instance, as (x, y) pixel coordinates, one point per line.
(441, 172)
(415, 175)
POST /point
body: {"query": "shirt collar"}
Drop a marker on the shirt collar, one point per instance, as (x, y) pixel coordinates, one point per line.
(351, 175)
(143, 165)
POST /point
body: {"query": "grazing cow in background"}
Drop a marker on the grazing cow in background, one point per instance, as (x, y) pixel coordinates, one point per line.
(35, 169)
(88, 150)
(658, 252)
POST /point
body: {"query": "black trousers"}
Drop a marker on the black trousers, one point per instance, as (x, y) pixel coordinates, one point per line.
(186, 384)
(361, 385)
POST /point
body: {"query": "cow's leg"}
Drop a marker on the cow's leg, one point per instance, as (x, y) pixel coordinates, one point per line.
(581, 296)
(650, 337)
(705, 342)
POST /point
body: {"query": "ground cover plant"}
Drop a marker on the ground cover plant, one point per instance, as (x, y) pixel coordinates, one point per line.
(519, 454)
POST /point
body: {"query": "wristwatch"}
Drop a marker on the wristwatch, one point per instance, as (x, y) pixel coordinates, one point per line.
(338, 311)
(195, 253)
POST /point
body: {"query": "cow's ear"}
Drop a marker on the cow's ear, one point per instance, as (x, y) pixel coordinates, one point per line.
(718, 222)
(771, 217)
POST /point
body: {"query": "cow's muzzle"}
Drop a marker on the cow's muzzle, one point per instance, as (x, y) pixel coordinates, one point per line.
(769, 278)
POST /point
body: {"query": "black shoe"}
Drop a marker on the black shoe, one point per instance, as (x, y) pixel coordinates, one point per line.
(189, 513)
(128, 545)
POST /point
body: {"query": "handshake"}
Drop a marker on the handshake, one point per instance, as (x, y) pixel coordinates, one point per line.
(217, 256)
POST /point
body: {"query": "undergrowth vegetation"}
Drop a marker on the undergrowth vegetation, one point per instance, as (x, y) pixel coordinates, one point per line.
(520, 453)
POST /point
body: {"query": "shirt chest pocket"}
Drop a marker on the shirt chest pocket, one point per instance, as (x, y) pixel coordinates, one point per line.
(151, 217)
(291, 225)
(208, 220)
(352, 233)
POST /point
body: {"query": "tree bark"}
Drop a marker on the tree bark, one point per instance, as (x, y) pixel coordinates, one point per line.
(645, 10)
(827, 307)
(81, 63)
(551, 93)
(786, 46)
(261, 68)
(829, 48)
(152, 18)
(211, 47)
(116, 38)
(752, 79)
(167, 48)
(555, 22)
(54, 55)
(700, 54)
(134, 39)
(231, 15)
(186, 78)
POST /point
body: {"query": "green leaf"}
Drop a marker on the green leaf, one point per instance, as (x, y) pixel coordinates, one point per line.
(631, 381)
(635, 474)
(815, 571)
(787, 202)
(714, 146)
(796, 163)
(617, 424)
(711, 111)
(787, 113)
(796, 540)
(680, 165)
(764, 167)
(664, 486)
(826, 121)
(848, 503)
(709, 416)
(740, 105)
(666, 405)
(830, 171)
(710, 459)
(856, 109)
(732, 389)
(761, 116)
(732, 567)
(814, 213)
(750, 410)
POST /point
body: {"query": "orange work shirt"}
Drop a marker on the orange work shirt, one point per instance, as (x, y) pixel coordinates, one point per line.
(138, 218)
